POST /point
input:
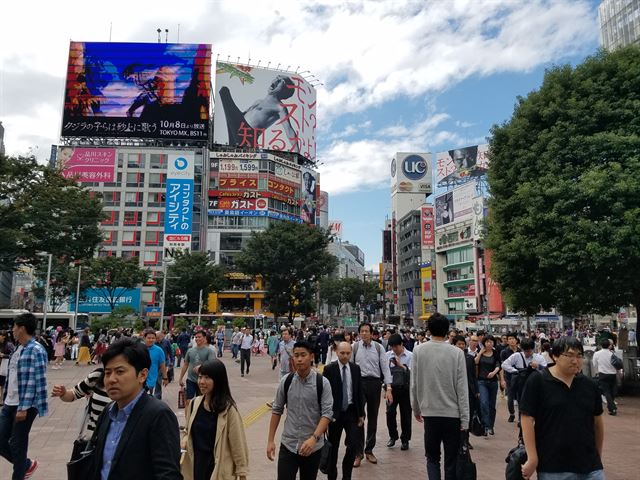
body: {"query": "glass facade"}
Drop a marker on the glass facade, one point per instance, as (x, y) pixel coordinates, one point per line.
(619, 23)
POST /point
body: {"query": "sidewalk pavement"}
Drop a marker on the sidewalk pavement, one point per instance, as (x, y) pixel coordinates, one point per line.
(52, 437)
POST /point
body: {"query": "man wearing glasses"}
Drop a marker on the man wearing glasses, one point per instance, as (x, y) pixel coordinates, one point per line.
(562, 424)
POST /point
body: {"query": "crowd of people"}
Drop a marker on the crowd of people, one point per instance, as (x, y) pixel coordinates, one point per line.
(447, 379)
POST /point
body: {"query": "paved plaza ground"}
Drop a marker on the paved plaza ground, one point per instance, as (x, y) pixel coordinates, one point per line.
(52, 437)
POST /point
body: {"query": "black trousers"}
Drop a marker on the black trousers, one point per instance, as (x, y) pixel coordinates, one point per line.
(347, 421)
(289, 463)
(446, 431)
(372, 389)
(245, 357)
(607, 384)
(402, 399)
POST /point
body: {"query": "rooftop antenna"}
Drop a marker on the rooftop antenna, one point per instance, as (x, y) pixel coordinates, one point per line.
(268, 63)
(166, 35)
(278, 67)
(178, 33)
(297, 68)
(238, 59)
(259, 62)
(110, 29)
(159, 38)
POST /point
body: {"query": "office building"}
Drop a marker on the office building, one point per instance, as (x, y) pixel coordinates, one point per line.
(619, 23)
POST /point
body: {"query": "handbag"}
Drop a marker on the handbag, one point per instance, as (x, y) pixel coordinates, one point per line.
(465, 468)
(516, 457)
(616, 362)
(475, 426)
(325, 453)
(82, 462)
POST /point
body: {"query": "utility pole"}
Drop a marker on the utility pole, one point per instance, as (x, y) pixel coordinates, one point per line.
(200, 307)
(46, 296)
(164, 290)
(75, 311)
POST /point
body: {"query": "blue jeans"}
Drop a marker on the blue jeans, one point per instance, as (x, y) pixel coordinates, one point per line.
(234, 350)
(14, 439)
(220, 347)
(488, 393)
(595, 475)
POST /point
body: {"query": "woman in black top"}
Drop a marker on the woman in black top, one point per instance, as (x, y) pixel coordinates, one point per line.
(488, 366)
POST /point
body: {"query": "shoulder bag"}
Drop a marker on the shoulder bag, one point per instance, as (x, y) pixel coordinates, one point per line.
(82, 462)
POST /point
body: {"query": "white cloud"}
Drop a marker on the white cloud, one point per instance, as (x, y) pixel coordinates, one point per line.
(367, 53)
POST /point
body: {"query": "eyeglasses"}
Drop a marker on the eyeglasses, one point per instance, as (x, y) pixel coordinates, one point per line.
(570, 356)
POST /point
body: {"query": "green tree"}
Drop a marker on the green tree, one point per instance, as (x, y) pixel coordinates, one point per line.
(291, 258)
(565, 190)
(339, 292)
(111, 277)
(191, 273)
(62, 285)
(41, 211)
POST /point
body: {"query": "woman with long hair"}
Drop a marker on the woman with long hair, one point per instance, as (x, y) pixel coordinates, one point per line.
(488, 365)
(60, 348)
(214, 439)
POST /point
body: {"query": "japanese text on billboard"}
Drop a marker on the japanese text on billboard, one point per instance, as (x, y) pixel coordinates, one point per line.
(454, 166)
(87, 164)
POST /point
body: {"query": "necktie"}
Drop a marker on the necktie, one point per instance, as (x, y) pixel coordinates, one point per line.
(345, 394)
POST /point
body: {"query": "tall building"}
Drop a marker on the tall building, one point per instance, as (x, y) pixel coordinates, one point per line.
(409, 259)
(619, 23)
(2, 150)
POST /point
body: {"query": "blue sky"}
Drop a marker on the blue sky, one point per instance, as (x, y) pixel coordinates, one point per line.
(401, 75)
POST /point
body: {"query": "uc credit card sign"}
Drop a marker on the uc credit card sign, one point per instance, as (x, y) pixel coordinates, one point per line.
(179, 200)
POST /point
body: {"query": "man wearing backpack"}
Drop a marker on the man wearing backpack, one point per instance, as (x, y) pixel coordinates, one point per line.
(607, 374)
(519, 366)
(309, 401)
(400, 366)
(374, 366)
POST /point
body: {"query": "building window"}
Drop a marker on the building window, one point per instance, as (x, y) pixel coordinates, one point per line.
(157, 160)
(152, 258)
(130, 254)
(135, 160)
(132, 219)
(135, 179)
(155, 218)
(117, 183)
(157, 180)
(131, 238)
(134, 199)
(112, 218)
(110, 237)
(152, 238)
(111, 199)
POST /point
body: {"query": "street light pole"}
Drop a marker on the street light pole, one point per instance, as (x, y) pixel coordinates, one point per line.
(46, 296)
(164, 291)
(200, 307)
(75, 311)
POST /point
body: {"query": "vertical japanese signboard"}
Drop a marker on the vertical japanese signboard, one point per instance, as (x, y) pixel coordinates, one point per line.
(427, 226)
(267, 109)
(179, 203)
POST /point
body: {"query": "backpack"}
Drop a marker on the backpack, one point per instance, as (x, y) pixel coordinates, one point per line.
(520, 378)
(289, 379)
(378, 347)
(616, 361)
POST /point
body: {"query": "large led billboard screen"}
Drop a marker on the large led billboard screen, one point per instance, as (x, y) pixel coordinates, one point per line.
(137, 90)
(455, 166)
(261, 108)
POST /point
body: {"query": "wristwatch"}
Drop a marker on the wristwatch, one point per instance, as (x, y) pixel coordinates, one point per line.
(317, 437)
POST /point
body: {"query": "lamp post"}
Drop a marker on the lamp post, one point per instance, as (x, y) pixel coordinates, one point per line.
(164, 291)
(45, 307)
(77, 302)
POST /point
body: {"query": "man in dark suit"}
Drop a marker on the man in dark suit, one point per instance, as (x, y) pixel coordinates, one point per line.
(348, 409)
(137, 436)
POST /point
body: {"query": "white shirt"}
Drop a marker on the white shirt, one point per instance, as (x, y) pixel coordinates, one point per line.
(247, 342)
(602, 362)
(13, 399)
(405, 357)
(348, 381)
(514, 362)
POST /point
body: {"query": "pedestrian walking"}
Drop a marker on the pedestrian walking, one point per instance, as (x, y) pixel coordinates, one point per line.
(285, 353)
(488, 364)
(194, 358)
(374, 366)
(308, 415)
(506, 375)
(272, 348)
(440, 397)
(348, 409)
(214, 438)
(137, 436)
(220, 340)
(245, 351)
(400, 367)
(6, 350)
(157, 376)
(25, 397)
(607, 374)
(236, 341)
(561, 417)
(183, 341)
(84, 354)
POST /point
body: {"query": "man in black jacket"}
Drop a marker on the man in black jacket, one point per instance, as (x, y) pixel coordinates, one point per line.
(348, 409)
(137, 436)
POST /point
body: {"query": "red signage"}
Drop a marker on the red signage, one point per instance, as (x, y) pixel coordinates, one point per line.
(427, 226)
(281, 187)
(239, 204)
(234, 183)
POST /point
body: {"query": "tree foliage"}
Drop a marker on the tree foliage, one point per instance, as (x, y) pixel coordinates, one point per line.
(565, 190)
(41, 211)
(62, 285)
(112, 276)
(338, 292)
(291, 258)
(191, 273)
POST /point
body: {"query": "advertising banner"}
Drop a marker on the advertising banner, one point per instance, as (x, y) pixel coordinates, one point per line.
(462, 291)
(309, 195)
(495, 303)
(456, 165)
(261, 108)
(239, 204)
(411, 173)
(335, 228)
(427, 226)
(233, 182)
(426, 285)
(281, 187)
(137, 90)
(386, 245)
(227, 165)
(95, 300)
(460, 235)
(179, 202)
(455, 205)
(87, 164)
(287, 173)
(410, 308)
(216, 212)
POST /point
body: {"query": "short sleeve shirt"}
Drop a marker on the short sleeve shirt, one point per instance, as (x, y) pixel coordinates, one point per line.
(157, 358)
(196, 357)
(564, 425)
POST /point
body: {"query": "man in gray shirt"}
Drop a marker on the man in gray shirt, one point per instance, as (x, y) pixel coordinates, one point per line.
(440, 397)
(307, 418)
(374, 366)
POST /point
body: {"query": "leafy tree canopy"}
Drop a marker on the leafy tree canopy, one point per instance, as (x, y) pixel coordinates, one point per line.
(565, 190)
(191, 273)
(291, 258)
(41, 211)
